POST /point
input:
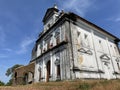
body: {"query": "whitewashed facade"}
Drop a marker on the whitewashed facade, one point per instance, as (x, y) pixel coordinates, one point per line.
(71, 47)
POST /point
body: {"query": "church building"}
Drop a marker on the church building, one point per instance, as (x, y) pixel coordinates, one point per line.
(70, 47)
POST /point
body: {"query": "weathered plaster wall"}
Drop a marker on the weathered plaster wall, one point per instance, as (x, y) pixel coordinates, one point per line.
(93, 53)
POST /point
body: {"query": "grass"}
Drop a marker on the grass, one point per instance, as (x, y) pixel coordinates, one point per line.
(69, 85)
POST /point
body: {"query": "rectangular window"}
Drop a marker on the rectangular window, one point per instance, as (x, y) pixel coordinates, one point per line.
(41, 48)
(48, 44)
(58, 70)
(57, 36)
(47, 41)
(51, 45)
(57, 39)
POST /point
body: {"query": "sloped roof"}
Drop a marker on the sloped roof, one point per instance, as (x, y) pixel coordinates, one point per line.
(72, 16)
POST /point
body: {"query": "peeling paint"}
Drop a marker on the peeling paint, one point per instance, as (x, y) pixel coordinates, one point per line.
(80, 59)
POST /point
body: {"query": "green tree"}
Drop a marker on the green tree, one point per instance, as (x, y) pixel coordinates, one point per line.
(10, 70)
(2, 83)
(9, 83)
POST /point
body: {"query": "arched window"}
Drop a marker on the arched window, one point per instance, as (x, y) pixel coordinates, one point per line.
(30, 77)
(57, 37)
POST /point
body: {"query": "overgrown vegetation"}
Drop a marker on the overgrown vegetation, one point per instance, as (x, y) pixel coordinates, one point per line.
(84, 86)
(9, 83)
(2, 83)
(69, 85)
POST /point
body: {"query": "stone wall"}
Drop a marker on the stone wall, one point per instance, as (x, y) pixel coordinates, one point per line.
(24, 74)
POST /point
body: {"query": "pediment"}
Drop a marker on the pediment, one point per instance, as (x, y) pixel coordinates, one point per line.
(82, 50)
(105, 57)
(89, 52)
(57, 62)
(85, 51)
(49, 12)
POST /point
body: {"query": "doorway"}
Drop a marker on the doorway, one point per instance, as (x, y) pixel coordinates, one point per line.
(58, 72)
(15, 78)
(48, 71)
(25, 78)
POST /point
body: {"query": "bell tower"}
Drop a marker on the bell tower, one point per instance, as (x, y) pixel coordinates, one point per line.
(50, 17)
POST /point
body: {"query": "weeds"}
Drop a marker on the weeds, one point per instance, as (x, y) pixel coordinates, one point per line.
(69, 85)
(84, 86)
(105, 82)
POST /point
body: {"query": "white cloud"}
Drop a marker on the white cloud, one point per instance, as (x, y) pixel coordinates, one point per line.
(114, 19)
(7, 49)
(3, 56)
(117, 19)
(25, 44)
(79, 6)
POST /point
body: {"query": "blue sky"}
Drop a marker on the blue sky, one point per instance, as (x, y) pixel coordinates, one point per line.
(21, 22)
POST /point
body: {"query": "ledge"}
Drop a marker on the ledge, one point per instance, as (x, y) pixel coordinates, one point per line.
(60, 44)
(85, 70)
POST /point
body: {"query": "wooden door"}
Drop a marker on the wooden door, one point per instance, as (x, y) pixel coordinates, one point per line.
(48, 71)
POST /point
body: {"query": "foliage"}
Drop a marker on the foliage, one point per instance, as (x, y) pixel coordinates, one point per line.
(2, 83)
(84, 86)
(9, 83)
(11, 70)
